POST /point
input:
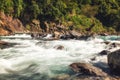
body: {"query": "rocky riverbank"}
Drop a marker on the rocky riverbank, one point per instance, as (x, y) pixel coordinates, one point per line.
(10, 25)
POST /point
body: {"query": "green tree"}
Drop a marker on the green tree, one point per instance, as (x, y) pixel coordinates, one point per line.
(6, 6)
(18, 7)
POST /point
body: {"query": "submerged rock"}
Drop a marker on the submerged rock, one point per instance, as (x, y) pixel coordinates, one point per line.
(87, 69)
(114, 61)
(59, 47)
(4, 44)
(62, 77)
(106, 42)
(93, 59)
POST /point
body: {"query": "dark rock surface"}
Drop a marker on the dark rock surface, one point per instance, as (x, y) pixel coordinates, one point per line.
(4, 44)
(87, 69)
(114, 61)
(104, 52)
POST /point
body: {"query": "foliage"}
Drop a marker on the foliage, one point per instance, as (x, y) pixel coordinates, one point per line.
(80, 12)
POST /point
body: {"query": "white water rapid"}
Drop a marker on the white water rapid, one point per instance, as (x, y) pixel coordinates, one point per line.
(30, 59)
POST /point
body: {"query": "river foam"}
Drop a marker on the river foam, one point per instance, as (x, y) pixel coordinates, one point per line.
(37, 56)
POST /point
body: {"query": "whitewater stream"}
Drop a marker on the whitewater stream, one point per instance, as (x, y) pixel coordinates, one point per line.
(33, 59)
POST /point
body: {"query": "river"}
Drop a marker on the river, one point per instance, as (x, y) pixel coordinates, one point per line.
(34, 59)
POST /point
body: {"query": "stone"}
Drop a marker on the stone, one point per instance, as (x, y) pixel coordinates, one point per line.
(103, 34)
(62, 77)
(106, 42)
(4, 44)
(10, 25)
(114, 61)
(56, 34)
(93, 59)
(74, 34)
(104, 52)
(87, 69)
(59, 47)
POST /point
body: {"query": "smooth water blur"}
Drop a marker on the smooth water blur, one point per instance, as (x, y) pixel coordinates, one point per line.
(41, 60)
(112, 37)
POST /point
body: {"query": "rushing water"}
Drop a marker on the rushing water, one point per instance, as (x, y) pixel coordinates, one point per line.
(41, 60)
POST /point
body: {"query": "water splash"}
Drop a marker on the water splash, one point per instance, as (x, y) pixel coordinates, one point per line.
(41, 57)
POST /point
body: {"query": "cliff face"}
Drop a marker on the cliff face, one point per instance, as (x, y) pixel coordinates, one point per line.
(9, 25)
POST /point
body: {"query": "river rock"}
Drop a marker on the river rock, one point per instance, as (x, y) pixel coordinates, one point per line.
(93, 59)
(106, 42)
(4, 44)
(84, 37)
(62, 77)
(94, 78)
(59, 47)
(87, 69)
(103, 34)
(114, 61)
(113, 45)
(56, 34)
(104, 52)
(74, 34)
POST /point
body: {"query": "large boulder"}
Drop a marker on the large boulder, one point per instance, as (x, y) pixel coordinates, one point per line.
(87, 69)
(114, 61)
(74, 34)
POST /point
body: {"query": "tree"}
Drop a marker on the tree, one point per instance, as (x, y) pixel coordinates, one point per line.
(18, 7)
(6, 6)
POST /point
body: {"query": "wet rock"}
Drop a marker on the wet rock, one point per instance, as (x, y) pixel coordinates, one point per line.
(113, 45)
(66, 37)
(114, 61)
(4, 44)
(106, 42)
(93, 59)
(59, 47)
(104, 52)
(87, 69)
(35, 35)
(84, 37)
(94, 78)
(103, 34)
(62, 77)
(74, 34)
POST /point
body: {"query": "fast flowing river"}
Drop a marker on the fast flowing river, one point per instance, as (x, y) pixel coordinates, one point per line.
(33, 59)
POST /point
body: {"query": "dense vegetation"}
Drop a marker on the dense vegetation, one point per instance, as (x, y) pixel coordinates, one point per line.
(98, 15)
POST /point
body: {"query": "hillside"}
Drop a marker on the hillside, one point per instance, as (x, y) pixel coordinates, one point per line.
(85, 16)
